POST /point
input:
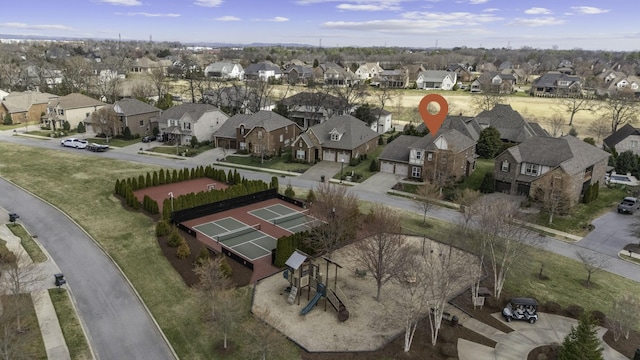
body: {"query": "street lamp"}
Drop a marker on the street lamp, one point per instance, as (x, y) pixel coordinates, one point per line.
(171, 197)
(341, 169)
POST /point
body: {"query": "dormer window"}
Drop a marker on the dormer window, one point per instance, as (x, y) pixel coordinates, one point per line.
(418, 155)
(335, 137)
(505, 166)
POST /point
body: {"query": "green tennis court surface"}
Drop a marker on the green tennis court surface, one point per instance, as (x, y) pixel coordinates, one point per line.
(243, 239)
(284, 217)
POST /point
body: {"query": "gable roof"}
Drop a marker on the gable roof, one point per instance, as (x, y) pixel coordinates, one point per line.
(455, 139)
(466, 125)
(76, 101)
(435, 75)
(131, 107)
(551, 78)
(222, 66)
(509, 123)
(571, 154)
(624, 132)
(354, 132)
(262, 66)
(195, 111)
(16, 102)
(399, 148)
(265, 119)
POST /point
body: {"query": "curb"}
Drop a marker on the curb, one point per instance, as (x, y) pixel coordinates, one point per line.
(172, 350)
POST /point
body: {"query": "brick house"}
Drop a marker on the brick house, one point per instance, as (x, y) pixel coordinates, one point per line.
(531, 164)
(181, 123)
(136, 115)
(25, 106)
(262, 133)
(339, 139)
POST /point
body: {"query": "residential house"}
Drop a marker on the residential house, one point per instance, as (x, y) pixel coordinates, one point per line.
(237, 99)
(368, 71)
(512, 126)
(263, 71)
(225, 71)
(493, 81)
(519, 75)
(394, 158)
(137, 115)
(43, 77)
(298, 74)
(567, 164)
(339, 139)
(556, 84)
(146, 66)
(179, 124)
(73, 108)
(414, 71)
(25, 106)
(626, 138)
(396, 78)
(264, 133)
(383, 120)
(335, 75)
(463, 73)
(436, 80)
(311, 108)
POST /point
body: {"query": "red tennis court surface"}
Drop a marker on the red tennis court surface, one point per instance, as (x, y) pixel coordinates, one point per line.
(161, 192)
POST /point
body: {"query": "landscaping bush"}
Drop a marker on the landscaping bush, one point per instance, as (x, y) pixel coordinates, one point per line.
(575, 311)
(487, 186)
(6, 256)
(183, 251)
(174, 238)
(599, 317)
(7, 119)
(374, 165)
(288, 192)
(203, 256)
(311, 196)
(225, 268)
(66, 126)
(163, 228)
(552, 307)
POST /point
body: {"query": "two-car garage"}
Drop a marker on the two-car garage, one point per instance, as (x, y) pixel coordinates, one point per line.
(394, 168)
(332, 155)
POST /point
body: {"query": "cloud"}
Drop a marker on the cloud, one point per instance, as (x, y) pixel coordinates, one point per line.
(122, 2)
(537, 11)
(278, 19)
(208, 3)
(146, 14)
(227, 18)
(589, 10)
(490, 10)
(17, 25)
(370, 6)
(478, 2)
(541, 21)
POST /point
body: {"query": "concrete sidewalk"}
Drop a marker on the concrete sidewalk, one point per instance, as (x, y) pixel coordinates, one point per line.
(37, 284)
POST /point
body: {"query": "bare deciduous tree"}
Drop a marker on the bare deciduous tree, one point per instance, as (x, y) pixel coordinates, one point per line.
(555, 123)
(574, 105)
(212, 280)
(350, 95)
(384, 251)
(336, 213)
(601, 128)
(552, 192)
(159, 79)
(105, 121)
(466, 199)
(261, 338)
(624, 315)
(426, 194)
(490, 96)
(592, 263)
(229, 311)
(621, 108)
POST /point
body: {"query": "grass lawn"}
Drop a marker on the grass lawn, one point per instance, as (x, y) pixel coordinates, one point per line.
(128, 236)
(27, 242)
(363, 167)
(473, 181)
(113, 141)
(44, 133)
(173, 150)
(27, 344)
(578, 220)
(275, 163)
(71, 329)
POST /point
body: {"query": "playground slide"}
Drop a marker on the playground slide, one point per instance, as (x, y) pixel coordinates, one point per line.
(319, 293)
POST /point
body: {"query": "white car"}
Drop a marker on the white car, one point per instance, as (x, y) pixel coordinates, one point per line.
(74, 143)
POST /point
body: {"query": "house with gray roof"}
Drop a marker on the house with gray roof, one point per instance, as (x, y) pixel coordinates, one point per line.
(448, 156)
(264, 133)
(263, 71)
(436, 80)
(543, 162)
(72, 108)
(493, 81)
(225, 70)
(298, 74)
(25, 106)
(137, 115)
(339, 139)
(557, 84)
(311, 108)
(626, 138)
(179, 124)
(511, 125)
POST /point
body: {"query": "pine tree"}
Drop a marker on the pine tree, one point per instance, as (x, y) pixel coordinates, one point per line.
(582, 342)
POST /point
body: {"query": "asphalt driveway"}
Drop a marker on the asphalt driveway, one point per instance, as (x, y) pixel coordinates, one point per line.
(117, 323)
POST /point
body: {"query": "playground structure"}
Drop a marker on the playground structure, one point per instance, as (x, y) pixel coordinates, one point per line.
(302, 273)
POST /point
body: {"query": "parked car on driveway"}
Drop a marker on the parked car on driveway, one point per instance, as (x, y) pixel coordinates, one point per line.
(628, 205)
(74, 143)
(148, 138)
(521, 309)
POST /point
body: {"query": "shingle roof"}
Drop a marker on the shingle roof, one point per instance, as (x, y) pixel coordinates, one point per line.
(551, 78)
(398, 149)
(466, 125)
(262, 66)
(76, 101)
(354, 132)
(434, 75)
(627, 130)
(266, 119)
(131, 107)
(456, 141)
(22, 101)
(509, 123)
(195, 111)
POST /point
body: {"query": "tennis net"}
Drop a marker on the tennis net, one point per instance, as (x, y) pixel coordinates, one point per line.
(235, 233)
(289, 217)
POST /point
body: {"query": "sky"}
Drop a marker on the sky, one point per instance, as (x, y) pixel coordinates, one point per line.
(543, 24)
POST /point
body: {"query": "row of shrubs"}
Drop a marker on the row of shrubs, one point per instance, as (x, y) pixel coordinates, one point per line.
(288, 244)
(162, 177)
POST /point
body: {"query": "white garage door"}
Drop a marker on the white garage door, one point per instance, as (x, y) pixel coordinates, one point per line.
(386, 167)
(402, 170)
(328, 155)
(344, 157)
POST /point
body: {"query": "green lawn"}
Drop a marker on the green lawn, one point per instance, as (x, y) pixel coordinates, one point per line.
(71, 328)
(579, 218)
(27, 242)
(180, 150)
(275, 163)
(43, 133)
(113, 141)
(362, 168)
(473, 181)
(28, 343)
(128, 236)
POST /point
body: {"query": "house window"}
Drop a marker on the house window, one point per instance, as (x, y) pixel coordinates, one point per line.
(259, 134)
(633, 144)
(241, 130)
(300, 154)
(532, 170)
(430, 156)
(61, 112)
(141, 122)
(281, 138)
(418, 155)
(416, 171)
(505, 166)
(86, 115)
(286, 129)
(335, 136)
(243, 146)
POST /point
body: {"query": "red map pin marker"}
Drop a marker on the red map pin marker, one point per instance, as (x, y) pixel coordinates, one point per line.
(433, 121)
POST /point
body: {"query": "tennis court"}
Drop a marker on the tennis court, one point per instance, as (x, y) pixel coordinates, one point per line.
(246, 240)
(285, 217)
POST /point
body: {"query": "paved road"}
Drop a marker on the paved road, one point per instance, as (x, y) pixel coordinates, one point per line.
(117, 324)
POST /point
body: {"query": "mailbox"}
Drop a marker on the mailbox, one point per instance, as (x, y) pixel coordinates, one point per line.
(60, 279)
(13, 217)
